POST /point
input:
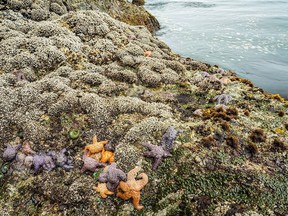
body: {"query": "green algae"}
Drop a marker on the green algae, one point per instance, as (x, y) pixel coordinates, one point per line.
(252, 190)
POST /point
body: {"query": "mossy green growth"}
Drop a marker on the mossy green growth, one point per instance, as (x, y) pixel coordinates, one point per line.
(251, 190)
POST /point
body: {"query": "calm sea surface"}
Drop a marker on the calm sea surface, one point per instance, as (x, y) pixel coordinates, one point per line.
(247, 36)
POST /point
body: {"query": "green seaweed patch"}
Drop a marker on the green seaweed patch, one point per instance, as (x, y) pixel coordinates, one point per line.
(184, 137)
(253, 190)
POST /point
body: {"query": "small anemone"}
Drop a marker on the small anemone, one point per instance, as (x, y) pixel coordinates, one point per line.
(5, 168)
(74, 133)
(223, 99)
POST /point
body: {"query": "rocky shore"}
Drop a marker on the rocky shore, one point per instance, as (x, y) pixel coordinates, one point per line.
(68, 66)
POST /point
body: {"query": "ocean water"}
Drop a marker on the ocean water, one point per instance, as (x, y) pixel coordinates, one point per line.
(247, 36)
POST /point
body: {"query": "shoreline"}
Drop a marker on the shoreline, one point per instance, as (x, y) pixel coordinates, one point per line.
(266, 70)
(81, 74)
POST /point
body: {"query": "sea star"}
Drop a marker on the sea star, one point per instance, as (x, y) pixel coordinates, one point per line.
(205, 74)
(168, 138)
(26, 149)
(10, 152)
(102, 189)
(223, 99)
(22, 162)
(112, 177)
(131, 188)
(42, 160)
(61, 159)
(91, 164)
(156, 152)
(95, 147)
(107, 156)
(147, 53)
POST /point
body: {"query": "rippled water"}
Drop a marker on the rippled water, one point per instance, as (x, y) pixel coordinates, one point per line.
(247, 36)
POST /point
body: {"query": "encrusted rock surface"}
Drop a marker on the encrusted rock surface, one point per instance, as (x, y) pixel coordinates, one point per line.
(64, 69)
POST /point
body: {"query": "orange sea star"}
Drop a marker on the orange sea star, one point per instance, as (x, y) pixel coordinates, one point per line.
(95, 147)
(131, 188)
(107, 156)
(147, 53)
(102, 189)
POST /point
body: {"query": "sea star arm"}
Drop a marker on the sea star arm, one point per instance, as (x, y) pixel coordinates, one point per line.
(142, 182)
(149, 146)
(94, 140)
(157, 162)
(124, 196)
(121, 175)
(123, 186)
(136, 200)
(103, 142)
(149, 154)
(133, 173)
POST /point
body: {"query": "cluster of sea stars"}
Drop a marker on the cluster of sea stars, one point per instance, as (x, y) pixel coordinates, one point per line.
(97, 154)
(29, 158)
(112, 179)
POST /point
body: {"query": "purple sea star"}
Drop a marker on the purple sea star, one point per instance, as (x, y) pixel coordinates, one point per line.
(156, 152)
(205, 74)
(10, 152)
(61, 159)
(112, 177)
(91, 164)
(43, 160)
(168, 138)
(223, 99)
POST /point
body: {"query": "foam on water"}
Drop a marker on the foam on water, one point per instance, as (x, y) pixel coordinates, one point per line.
(250, 37)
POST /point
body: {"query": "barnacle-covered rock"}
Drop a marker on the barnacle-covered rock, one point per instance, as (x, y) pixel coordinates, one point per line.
(83, 71)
